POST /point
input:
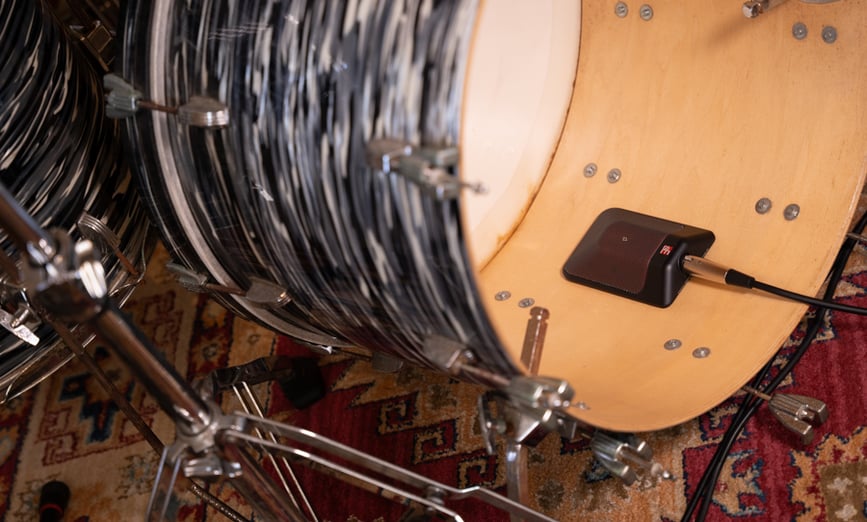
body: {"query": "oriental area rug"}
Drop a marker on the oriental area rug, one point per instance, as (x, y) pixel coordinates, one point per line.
(68, 429)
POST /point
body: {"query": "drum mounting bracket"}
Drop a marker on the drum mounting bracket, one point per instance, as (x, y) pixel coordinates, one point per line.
(534, 392)
(65, 278)
(427, 167)
(517, 422)
(123, 101)
(14, 323)
(261, 292)
(527, 406)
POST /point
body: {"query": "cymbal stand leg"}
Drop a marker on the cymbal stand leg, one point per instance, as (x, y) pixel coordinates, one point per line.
(164, 485)
(257, 487)
(116, 396)
(389, 480)
(517, 484)
(251, 406)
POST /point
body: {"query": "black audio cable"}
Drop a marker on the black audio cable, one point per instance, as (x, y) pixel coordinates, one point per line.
(711, 271)
(751, 403)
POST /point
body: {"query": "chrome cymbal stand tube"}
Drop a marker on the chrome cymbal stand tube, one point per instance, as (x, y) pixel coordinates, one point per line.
(66, 282)
(132, 414)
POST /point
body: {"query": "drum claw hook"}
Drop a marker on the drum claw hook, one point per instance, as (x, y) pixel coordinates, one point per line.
(428, 167)
(625, 455)
(798, 413)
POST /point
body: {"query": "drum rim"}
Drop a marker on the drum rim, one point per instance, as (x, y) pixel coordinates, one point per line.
(156, 122)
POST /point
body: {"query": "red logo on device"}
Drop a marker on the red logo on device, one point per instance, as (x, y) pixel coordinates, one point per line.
(666, 250)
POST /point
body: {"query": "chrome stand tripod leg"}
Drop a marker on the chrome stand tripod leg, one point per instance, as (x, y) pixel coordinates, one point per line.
(164, 486)
(430, 501)
(173, 394)
(517, 483)
(116, 396)
(69, 284)
(252, 406)
(433, 493)
(257, 488)
(216, 503)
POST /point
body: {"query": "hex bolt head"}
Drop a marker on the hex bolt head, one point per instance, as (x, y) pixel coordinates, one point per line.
(646, 12)
(799, 31)
(621, 9)
(672, 344)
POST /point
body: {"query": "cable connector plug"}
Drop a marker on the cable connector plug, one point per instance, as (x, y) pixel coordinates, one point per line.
(705, 269)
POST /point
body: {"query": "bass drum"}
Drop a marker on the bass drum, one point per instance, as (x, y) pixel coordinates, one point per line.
(60, 158)
(686, 111)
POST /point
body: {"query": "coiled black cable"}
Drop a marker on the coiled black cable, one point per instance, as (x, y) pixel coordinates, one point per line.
(750, 404)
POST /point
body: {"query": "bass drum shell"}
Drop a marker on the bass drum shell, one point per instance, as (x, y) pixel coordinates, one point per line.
(60, 158)
(285, 193)
(693, 115)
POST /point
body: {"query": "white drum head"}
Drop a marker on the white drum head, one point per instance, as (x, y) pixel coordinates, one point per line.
(518, 88)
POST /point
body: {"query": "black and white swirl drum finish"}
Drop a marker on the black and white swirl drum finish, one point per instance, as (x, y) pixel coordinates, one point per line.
(285, 192)
(60, 157)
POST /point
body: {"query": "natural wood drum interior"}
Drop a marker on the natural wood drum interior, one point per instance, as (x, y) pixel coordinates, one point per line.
(704, 112)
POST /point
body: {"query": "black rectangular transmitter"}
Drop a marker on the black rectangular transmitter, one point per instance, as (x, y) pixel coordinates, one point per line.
(636, 256)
